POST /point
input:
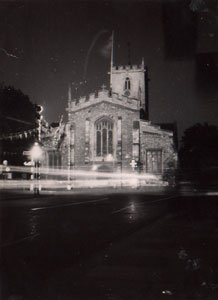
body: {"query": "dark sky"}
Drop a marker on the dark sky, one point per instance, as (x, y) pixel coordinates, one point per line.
(45, 45)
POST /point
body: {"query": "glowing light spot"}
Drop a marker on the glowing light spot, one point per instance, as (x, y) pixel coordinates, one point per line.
(94, 168)
(167, 292)
(36, 151)
(132, 207)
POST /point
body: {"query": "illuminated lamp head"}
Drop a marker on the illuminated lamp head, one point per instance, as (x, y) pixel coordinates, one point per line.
(36, 151)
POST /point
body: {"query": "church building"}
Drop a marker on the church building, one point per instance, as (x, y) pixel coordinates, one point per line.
(110, 130)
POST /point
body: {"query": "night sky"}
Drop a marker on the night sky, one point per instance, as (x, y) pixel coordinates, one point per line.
(45, 45)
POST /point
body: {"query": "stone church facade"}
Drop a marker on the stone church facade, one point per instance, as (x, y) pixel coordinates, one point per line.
(110, 130)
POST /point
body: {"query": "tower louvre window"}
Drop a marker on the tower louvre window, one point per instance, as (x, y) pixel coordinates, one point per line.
(104, 137)
(127, 84)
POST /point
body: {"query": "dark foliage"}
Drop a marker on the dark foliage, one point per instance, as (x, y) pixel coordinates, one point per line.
(12, 150)
(198, 151)
(17, 114)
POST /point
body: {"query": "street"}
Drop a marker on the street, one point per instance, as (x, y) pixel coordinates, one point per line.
(108, 246)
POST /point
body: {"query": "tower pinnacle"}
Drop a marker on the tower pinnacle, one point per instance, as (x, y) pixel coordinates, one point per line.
(69, 94)
(112, 54)
(143, 63)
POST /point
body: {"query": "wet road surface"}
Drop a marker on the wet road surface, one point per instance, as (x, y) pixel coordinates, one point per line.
(119, 246)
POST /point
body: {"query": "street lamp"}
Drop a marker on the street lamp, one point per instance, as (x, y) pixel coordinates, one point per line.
(39, 117)
(36, 154)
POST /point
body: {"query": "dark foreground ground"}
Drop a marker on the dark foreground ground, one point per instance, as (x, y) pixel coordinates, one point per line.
(109, 246)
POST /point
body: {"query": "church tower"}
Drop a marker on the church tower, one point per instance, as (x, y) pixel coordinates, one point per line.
(130, 81)
(109, 130)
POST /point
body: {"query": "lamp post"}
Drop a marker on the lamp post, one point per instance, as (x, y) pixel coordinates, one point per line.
(39, 117)
(36, 151)
(36, 154)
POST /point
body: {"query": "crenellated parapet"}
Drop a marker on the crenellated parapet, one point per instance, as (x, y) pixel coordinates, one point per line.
(104, 96)
(128, 68)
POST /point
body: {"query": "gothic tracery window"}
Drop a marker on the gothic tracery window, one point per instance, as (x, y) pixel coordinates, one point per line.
(104, 137)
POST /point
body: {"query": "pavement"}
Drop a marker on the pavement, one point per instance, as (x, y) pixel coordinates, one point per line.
(172, 258)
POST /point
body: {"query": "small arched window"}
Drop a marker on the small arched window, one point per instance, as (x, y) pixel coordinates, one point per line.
(127, 85)
(104, 137)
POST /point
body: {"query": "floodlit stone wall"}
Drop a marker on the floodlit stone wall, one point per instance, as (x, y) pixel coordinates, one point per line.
(104, 96)
(93, 113)
(155, 139)
(136, 76)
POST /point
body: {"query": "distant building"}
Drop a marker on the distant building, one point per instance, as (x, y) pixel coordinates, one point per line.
(110, 130)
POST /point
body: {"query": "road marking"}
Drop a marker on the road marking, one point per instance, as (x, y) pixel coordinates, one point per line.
(122, 209)
(70, 204)
(159, 200)
(210, 193)
(141, 204)
(20, 240)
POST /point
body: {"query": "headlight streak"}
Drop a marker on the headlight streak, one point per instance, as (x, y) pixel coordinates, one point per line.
(52, 178)
(86, 173)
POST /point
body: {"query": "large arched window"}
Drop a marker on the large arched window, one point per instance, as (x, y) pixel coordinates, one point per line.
(104, 137)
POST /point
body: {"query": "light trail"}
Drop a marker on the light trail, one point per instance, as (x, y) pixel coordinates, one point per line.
(94, 41)
(81, 173)
(20, 240)
(69, 204)
(59, 178)
(7, 53)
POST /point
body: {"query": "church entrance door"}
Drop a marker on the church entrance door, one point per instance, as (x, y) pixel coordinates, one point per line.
(154, 161)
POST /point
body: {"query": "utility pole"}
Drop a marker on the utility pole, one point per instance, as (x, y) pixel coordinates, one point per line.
(112, 57)
(69, 140)
(39, 110)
